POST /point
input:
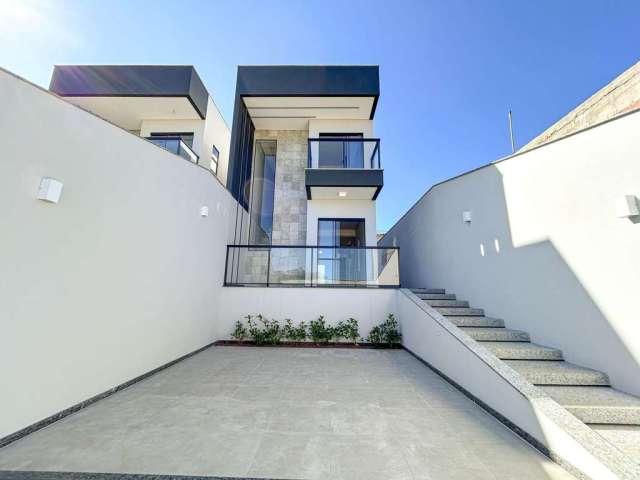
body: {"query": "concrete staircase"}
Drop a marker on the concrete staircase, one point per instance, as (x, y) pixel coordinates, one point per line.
(586, 393)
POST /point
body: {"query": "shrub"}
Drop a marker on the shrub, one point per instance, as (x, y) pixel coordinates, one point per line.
(375, 335)
(255, 331)
(387, 332)
(319, 331)
(348, 330)
(271, 331)
(295, 334)
(240, 332)
(264, 330)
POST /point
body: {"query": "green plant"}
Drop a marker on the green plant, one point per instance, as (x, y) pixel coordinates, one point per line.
(295, 334)
(240, 332)
(348, 330)
(319, 331)
(255, 332)
(271, 330)
(386, 333)
(375, 335)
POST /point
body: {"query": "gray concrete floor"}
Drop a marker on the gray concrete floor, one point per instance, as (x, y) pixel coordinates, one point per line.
(287, 413)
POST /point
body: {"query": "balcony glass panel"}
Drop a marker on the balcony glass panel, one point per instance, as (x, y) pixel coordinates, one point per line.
(344, 152)
(323, 266)
(175, 145)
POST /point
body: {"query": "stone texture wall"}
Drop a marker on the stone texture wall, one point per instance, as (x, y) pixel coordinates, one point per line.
(620, 96)
(290, 205)
(290, 201)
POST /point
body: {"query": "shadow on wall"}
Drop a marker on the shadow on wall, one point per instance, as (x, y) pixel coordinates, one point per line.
(525, 251)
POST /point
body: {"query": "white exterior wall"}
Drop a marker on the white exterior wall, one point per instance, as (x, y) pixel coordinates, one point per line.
(365, 209)
(567, 269)
(369, 306)
(316, 127)
(216, 132)
(119, 277)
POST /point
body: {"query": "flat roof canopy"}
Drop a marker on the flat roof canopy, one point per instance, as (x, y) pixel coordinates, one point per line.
(129, 112)
(294, 113)
(173, 82)
(288, 96)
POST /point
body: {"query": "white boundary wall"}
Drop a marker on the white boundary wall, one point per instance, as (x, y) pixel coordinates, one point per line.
(369, 306)
(557, 260)
(118, 278)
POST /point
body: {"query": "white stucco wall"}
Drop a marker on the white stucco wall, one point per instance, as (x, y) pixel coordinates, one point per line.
(119, 277)
(369, 306)
(557, 261)
(316, 127)
(365, 209)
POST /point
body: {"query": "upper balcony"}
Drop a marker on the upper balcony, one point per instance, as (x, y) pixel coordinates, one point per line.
(343, 167)
(174, 144)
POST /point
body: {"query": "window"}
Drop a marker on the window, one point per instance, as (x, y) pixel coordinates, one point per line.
(346, 151)
(215, 155)
(262, 192)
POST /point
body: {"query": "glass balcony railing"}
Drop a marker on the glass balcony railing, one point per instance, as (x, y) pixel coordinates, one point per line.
(301, 266)
(175, 145)
(344, 152)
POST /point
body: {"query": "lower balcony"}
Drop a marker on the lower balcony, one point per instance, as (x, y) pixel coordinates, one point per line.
(312, 266)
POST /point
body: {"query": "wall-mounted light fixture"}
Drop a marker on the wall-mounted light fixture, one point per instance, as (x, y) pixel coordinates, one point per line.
(50, 190)
(466, 217)
(204, 211)
(627, 206)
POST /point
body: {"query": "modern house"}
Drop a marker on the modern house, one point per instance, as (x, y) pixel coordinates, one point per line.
(167, 105)
(305, 168)
(123, 265)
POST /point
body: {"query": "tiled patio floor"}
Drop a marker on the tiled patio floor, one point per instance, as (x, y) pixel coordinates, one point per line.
(286, 413)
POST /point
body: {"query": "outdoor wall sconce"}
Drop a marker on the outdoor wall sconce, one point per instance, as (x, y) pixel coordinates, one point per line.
(466, 217)
(627, 206)
(204, 211)
(50, 190)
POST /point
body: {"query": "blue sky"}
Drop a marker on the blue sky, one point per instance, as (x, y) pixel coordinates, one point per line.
(450, 70)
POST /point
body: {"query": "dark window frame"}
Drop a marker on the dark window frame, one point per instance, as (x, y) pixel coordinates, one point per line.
(215, 158)
(340, 219)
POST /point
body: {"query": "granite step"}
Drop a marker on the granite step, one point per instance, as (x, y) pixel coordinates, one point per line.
(474, 321)
(448, 303)
(522, 351)
(436, 296)
(598, 404)
(625, 438)
(428, 290)
(547, 372)
(496, 334)
(460, 311)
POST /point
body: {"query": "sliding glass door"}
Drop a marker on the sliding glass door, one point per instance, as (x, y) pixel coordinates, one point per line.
(341, 150)
(339, 259)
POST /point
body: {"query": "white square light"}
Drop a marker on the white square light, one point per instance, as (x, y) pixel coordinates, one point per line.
(466, 217)
(627, 206)
(204, 211)
(342, 194)
(50, 190)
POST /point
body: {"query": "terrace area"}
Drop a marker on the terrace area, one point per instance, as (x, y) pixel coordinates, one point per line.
(286, 413)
